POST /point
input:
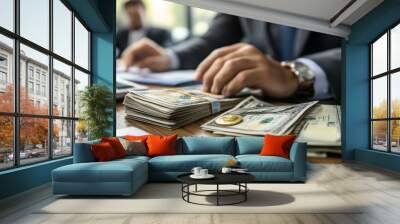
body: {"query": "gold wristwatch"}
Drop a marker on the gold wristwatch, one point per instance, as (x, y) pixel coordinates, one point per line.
(305, 76)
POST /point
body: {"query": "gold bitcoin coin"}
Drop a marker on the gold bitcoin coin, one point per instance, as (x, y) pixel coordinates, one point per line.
(229, 120)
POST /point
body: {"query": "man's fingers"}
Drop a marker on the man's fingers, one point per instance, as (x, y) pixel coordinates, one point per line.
(130, 55)
(206, 63)
(126, 61)
(216, 66)
(210, 73)
(243, 79)
(229, 70)
(138, 51)
(147, 62)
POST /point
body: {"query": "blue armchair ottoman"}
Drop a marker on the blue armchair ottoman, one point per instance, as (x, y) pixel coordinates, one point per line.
(87, 177)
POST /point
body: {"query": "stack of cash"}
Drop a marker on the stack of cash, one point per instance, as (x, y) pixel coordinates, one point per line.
(256, 117)
(174, 108)
(320, 126)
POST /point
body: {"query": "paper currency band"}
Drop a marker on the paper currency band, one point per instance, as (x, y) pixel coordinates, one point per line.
(215, 107)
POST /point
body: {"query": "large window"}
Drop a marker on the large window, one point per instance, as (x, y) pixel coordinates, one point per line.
(183, 21)
(44, 64)
(201, 20)
(385, 91)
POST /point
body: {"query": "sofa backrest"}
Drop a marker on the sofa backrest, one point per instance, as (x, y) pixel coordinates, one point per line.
(249, 145)
(206, 145)
(83, 152)
(190, 146)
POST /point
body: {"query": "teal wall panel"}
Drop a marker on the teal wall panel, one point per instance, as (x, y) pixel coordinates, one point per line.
(103, 65)
(24, 178)
(103, 53)
(89, 11)
(356, 101)
(380, 159)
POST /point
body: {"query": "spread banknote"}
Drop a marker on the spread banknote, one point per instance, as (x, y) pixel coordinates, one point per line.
(259, 118)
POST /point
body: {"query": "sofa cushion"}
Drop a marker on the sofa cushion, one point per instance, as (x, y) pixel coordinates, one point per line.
(159, 145)
(136, 137)
(257, 163)
(134, 147)
(116, 145)
(83, 152)
(185, 163)
(206, 145)
(249, 145)
(277, 145)
(103, 152)
(112, 171)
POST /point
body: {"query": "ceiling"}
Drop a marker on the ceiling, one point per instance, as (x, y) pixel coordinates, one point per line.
(333, 17)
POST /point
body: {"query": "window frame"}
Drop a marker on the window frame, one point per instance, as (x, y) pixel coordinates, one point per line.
(16, 114)
(388, 74)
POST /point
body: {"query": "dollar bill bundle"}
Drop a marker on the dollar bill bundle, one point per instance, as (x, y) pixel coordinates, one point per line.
(320, 126)
(256, 117)
(174, 108)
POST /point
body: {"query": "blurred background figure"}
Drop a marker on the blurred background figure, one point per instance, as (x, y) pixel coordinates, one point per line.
(137, 28)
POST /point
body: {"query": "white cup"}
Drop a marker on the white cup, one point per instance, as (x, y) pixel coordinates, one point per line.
(196, 171)
(226, 170)
(203, 172)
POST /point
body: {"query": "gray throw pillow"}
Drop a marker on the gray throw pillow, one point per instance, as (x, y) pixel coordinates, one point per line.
(136, 148)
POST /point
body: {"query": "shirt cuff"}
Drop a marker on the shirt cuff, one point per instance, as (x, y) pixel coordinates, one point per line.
(321, 84)
(175, 64)
(116, 52)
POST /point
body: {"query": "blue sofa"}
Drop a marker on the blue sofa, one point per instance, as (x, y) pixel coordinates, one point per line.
(125, 176)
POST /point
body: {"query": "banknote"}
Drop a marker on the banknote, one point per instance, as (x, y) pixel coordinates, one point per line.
(260, 118)
(320, 126)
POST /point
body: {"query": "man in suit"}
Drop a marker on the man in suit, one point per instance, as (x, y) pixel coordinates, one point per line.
(137, 29)
(235, 53)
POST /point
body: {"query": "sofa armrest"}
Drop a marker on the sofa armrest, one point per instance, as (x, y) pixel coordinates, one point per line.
(298, 155)
(83, 152)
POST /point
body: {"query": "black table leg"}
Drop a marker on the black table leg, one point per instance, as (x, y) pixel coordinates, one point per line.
(217, 194)
(182, 190)
(188, 190)
(245, 193)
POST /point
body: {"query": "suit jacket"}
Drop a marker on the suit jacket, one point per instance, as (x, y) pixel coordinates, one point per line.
(226, 29)
(158, 35)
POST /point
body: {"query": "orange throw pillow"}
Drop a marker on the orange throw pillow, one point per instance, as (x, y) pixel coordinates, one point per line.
(116, 145)
(103, 152)
(277, 145)
(161, 145)
(136, 138)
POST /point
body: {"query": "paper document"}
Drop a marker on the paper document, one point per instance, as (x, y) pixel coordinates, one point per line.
(123, 87)
(170, 78)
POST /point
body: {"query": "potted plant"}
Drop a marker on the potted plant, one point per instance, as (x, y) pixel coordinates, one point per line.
(96, 104)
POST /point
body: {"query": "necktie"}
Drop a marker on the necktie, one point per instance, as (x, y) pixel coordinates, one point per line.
(286, 43)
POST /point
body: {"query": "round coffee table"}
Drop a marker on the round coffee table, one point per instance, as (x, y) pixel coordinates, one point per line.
(238, 179)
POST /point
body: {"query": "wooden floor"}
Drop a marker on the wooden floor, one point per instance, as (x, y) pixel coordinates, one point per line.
(378, 189)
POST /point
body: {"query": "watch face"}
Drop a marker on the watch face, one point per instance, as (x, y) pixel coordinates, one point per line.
(304, 71)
